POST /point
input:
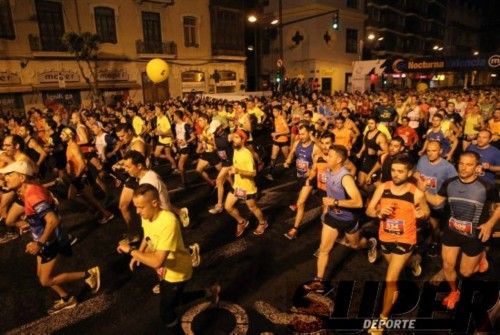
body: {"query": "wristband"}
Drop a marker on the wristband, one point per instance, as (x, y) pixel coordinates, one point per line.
(336, 203)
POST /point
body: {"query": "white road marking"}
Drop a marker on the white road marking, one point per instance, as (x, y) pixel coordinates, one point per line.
(52, 323)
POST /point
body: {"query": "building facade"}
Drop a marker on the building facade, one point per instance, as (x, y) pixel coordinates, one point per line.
(312, 49)
(405, 28)
(36, 70)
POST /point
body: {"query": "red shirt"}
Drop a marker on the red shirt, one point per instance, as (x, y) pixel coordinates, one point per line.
(408, 134)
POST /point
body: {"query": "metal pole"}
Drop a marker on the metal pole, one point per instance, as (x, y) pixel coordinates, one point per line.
(280, 14)
(255, 58)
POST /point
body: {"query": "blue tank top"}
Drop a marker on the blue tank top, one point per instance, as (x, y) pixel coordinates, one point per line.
(334, 189)
(439, 136)
(304, 160)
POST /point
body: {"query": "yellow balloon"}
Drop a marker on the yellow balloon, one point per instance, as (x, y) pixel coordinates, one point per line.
(422, 87)
(157, 70)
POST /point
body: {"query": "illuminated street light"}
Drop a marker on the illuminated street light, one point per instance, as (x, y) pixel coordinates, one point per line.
(371, 36)
(440, 49)
(250, 48)
(435, 47)
(252, 18)
(380, 39)
(476, 53)
(275, 22)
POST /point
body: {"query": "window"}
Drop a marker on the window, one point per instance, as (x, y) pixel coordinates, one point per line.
(351, 45)
(6, 24)
(51, 25)
(152, 32)
(189, 23)
(352, 4)
(224, 40)
(105, 24)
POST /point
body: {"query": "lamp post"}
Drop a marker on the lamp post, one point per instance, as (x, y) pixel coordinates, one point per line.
(256, 50)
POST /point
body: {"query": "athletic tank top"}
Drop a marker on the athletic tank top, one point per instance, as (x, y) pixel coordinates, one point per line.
(371, 143)
(321, 176)
(401, 225)
(335, 189)
(224, 147)
(304, 159)
(30, 152)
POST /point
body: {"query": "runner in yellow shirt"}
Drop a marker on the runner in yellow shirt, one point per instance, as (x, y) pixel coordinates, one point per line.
(163, 130)
(162, 249)
(244, 187)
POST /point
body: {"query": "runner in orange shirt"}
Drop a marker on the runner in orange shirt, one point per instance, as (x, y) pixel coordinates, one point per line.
(398, 204)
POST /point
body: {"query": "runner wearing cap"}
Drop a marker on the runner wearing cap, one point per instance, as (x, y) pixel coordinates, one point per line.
(49, 238)
(244, 187)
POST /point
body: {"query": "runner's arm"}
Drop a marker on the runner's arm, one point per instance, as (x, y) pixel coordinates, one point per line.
(434, 199)
(371, 210)
(51, 223)
(152, 259)
(421, 208)
(288, 160)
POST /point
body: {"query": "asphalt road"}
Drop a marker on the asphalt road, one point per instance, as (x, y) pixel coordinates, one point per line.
(267, 268)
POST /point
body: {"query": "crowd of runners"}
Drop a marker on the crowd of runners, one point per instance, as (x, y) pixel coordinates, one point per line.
(420, 167)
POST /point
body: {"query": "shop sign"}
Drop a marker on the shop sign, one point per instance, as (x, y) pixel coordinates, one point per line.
(112, 75)
(67, 99)
(9, 78)
(227, 83)
(192, 76)
(58, 76)
(442, 63)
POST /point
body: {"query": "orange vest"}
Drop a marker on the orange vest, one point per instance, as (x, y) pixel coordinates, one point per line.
(401, 225)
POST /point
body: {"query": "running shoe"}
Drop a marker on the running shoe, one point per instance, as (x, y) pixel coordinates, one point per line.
(450, 301)
(94, 279)
(269, 177)
(316, 253)
(106, 219)
(372, 250)
(184, 216)
(317, 285)
(292, 233)
(8, 236)
(216, 210)
(194, 250)
(240, 228)
(60, 305)
(293, 207)
(261, 229)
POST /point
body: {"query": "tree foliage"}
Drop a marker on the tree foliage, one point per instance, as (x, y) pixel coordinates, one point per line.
(85, 47)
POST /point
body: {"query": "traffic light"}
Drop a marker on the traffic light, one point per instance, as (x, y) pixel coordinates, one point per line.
(336, 20)
(279, 76)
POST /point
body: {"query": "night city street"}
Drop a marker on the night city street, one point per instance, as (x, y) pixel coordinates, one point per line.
(260, 167)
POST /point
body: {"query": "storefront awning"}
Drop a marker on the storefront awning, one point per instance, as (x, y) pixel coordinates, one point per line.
(16, 89)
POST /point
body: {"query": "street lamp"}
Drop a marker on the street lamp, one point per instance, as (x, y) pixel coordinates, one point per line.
(252, 18)
(380, 39)
(440, 49)
(435, 47)
(371, 36)
(275, 22)
(476, 53)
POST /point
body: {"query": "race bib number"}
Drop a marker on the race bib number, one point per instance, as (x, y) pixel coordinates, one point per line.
(240, 193)
(461, 227)
(222, 154)
(394, 226)
(430, 182)
(302, 166)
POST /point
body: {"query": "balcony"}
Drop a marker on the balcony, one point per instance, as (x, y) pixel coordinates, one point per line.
(161, 2)
(156, 48)
(49, 44)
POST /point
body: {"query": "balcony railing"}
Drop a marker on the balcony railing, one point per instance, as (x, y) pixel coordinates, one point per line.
(51, 44)
(153, 47)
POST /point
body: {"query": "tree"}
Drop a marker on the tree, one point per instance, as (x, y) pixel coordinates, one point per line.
(85, 47)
